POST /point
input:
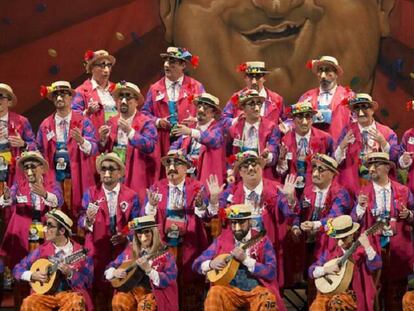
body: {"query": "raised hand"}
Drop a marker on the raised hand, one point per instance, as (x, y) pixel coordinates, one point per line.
(16, 141)
(164, 123)
(39, 189)
(143, 263)
(124, 126)
(103, 132)
(238, 254)
(289, 187)
(76, 134)
(180, 130)
(153, 197)
(348, 139)
(214, 188)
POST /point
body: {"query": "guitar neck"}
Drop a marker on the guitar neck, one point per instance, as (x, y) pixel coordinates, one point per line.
(76, 256)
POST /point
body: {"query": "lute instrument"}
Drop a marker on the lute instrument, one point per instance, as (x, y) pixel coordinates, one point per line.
(50, 267)
(339, 282)
(225, 275)
(134, 274)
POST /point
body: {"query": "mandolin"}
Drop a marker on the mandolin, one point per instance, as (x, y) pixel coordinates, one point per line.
(339, 282)
(50, 267)
(134, 274)
(225, 275)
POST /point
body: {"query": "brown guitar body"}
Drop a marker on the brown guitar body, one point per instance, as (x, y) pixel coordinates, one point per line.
(224, 276)
(133, 278)
(336, 283)
(43, 266)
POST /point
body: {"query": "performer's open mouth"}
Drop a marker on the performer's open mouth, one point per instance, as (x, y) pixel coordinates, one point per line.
(285, 30)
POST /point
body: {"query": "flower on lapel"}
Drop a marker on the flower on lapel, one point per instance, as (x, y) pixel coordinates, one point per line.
(124, 206)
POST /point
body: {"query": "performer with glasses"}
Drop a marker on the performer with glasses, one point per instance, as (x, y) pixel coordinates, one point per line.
(169, 100)
(133, 137)
(361, 138)
(68, 142)
(107, 208)
(93, 97)
(156, 288)
(72, 288)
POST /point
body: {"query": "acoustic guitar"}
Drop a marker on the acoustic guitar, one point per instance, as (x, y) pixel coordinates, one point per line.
(339, 282)
(225, 275)
(50, 267)
(134, 274)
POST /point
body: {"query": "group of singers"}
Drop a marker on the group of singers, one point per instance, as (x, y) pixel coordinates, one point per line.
(191, 206)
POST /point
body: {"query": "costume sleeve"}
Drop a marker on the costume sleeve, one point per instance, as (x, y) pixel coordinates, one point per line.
(287, 211)
(341, 205)
(26, 263)
(319, 263)
(229, 110)
(207, 255)
(39, 140)
(212, 138)
(177, 144)
(135, 212)
(394, 147)
(28, 135)
(267, 269)
(148, 107)
(89, 133)
(169, 272)
(146, 138)
(57, 191)
(83, 277)
(273, 143)
(86, 199)
(340, 154)
(375, 263)
(226, 196)
(330, 146)
(78, 102)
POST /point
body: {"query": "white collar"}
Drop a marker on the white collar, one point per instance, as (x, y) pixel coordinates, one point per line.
(180, 186)
(168, 82)
(67, 249)
(5, 117)
(255, 125)
(317, 189)
(378, 188)
(263, 92)
(96, 85)
(330, 92)
(59, 119)
(258, 190)
(205, 126)
(367, 128)
(116, 189)
(307, 136)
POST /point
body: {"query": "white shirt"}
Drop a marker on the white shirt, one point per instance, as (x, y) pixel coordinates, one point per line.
(105, 96)
(258, 190)
(112, 204)
(196, 133)
(4, 129)
(251, 142)
(381, 204)
(325, 97)
(263, 108)
(299, 137)
(86, 147)
(173, 89)
(66, 249)
(282, 166)
(122, 137)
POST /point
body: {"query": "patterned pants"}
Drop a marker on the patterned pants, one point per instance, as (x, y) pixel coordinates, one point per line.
(138, 299)
(340, 302)
(65, 301)
(226, 298)
(408, 301)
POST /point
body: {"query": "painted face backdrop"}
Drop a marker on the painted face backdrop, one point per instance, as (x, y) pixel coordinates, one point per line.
(44, 41)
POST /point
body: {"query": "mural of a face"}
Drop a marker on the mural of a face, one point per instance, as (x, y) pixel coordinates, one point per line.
(283, 33)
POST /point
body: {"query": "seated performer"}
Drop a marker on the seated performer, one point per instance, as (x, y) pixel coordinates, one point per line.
(255, 284)
(67, 140)
(158, 288)
(361, 293)
(71, 290)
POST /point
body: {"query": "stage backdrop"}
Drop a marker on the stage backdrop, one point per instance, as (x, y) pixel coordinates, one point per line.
(44, 41)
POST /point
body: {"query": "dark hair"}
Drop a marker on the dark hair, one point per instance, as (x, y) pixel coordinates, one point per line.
(60, 226)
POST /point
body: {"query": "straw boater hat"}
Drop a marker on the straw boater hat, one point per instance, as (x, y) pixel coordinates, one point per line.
(182, 54)
(362, 98)
(143, 222)
(255, 67)
(326, 161)
(378, 157)
(209, 100)
(92, 57)
(127, 86)
(47, 91)
(325, 60)
(248, 95)
(239, 211)
(5, 88)
(302, 107)
(177, 155)
(341, 226)
(32, 155)
(61, 218)
(112, 156)
(242, 157)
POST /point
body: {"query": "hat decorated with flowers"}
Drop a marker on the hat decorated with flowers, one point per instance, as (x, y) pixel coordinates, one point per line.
(249, 155)
(176, 156)
(302, 107)
(362, 98)
(143, 222)
(117, 88)
(47, 91)
(92, 57)
(245, 96)
(255, 67)
(314, 64)
(341, 226)
(181, 53)
(239, 211)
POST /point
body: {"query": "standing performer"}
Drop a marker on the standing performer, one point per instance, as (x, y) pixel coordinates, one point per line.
(133, 137)
(67, 141)
(157, 289)
(168, 100)
(254, 285)
(71, 292)
(107, 208)
(406, 156)
(93, 98)
(361, 293)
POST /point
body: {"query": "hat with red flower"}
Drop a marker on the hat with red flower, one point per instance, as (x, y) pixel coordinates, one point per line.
(47, 91)
(92, 57)
(182, 54)
(255, 67)
(314, 64)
